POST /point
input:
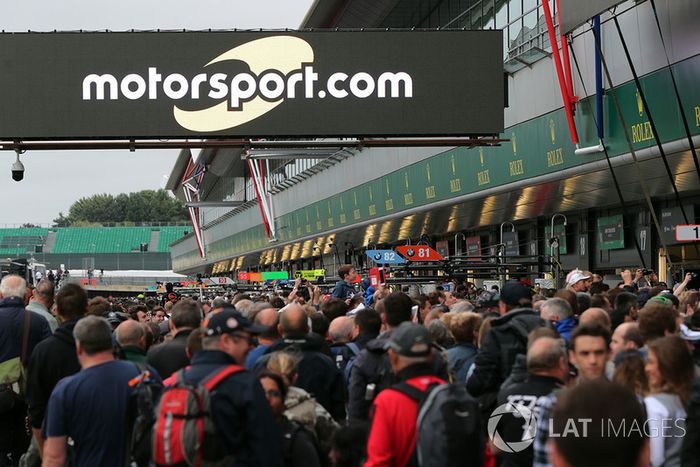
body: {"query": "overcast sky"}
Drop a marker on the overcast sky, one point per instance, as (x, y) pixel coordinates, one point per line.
(55, 179)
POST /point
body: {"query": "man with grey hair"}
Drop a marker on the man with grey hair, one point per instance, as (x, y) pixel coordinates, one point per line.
(218, 304)
(558, 312)
(42, 301)
(461, 306)
(341, 329)
(317, 372)
(244, 306)
(131, 337)
(80, 404)
(547, 367)
(20, 332)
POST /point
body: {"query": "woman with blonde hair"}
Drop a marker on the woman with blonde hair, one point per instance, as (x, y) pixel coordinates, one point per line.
(670, 371)
(300, 406)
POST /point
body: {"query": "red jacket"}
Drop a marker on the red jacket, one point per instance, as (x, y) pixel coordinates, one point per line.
(392, 438)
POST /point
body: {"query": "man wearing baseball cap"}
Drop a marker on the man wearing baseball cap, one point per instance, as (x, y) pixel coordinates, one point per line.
(578, 281)
(392, 437)
(239, 408)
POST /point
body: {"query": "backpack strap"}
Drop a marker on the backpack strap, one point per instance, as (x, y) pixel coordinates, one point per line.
(25, 336)
(417, 395)
(179, 377)
(353, 348)
(212, 380)
(409, 390)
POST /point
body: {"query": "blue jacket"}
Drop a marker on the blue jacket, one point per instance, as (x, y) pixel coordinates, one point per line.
(342, 290)
(12, 326)
(565, 327)
(369, 294)
(459, 359)
(240, 411)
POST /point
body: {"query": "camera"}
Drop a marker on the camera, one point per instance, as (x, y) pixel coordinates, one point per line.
(647, 272)
(17, 170)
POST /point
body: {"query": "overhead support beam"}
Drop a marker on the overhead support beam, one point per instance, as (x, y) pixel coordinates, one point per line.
(308, 153)
(305, 145)
(285, 155)
(214, 204)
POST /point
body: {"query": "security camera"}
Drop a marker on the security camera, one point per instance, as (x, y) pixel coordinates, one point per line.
(17, 170)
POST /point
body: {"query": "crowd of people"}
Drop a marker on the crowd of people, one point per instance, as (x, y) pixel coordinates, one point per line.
(585, 375)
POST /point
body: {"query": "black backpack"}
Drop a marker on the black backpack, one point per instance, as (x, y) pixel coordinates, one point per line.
(145, 392)
(290, 437)
(448, 426)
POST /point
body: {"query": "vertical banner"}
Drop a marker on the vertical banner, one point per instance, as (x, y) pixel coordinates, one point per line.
(511, 241)
(611, 233)
(443, 248)
(474, 246)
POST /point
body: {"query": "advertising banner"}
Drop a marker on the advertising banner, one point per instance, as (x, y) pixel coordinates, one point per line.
(310, 274)
(512, 245)
(611, 233)
(474, 246)
(250, 84)
(443, 247)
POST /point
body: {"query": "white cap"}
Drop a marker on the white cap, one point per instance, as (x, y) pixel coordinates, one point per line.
(576, 277)
(688, 334)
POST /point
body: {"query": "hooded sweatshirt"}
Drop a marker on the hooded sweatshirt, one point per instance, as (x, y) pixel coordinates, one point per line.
(52, 360)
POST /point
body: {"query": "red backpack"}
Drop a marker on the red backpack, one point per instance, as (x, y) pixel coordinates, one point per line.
(184, 432)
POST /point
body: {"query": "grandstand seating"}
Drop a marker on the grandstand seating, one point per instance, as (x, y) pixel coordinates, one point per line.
(93, 240)
(16, 241)
(101, 239)
(169, 234)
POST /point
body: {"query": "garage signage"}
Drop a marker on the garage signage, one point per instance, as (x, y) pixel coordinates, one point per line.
(419, 253)
(688, 233)
(385, 257)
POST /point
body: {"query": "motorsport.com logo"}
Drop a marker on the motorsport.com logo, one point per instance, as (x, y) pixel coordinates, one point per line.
(244, 87)
(281, 67)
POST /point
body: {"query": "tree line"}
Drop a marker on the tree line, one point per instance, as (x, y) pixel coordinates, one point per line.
(152, 206)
